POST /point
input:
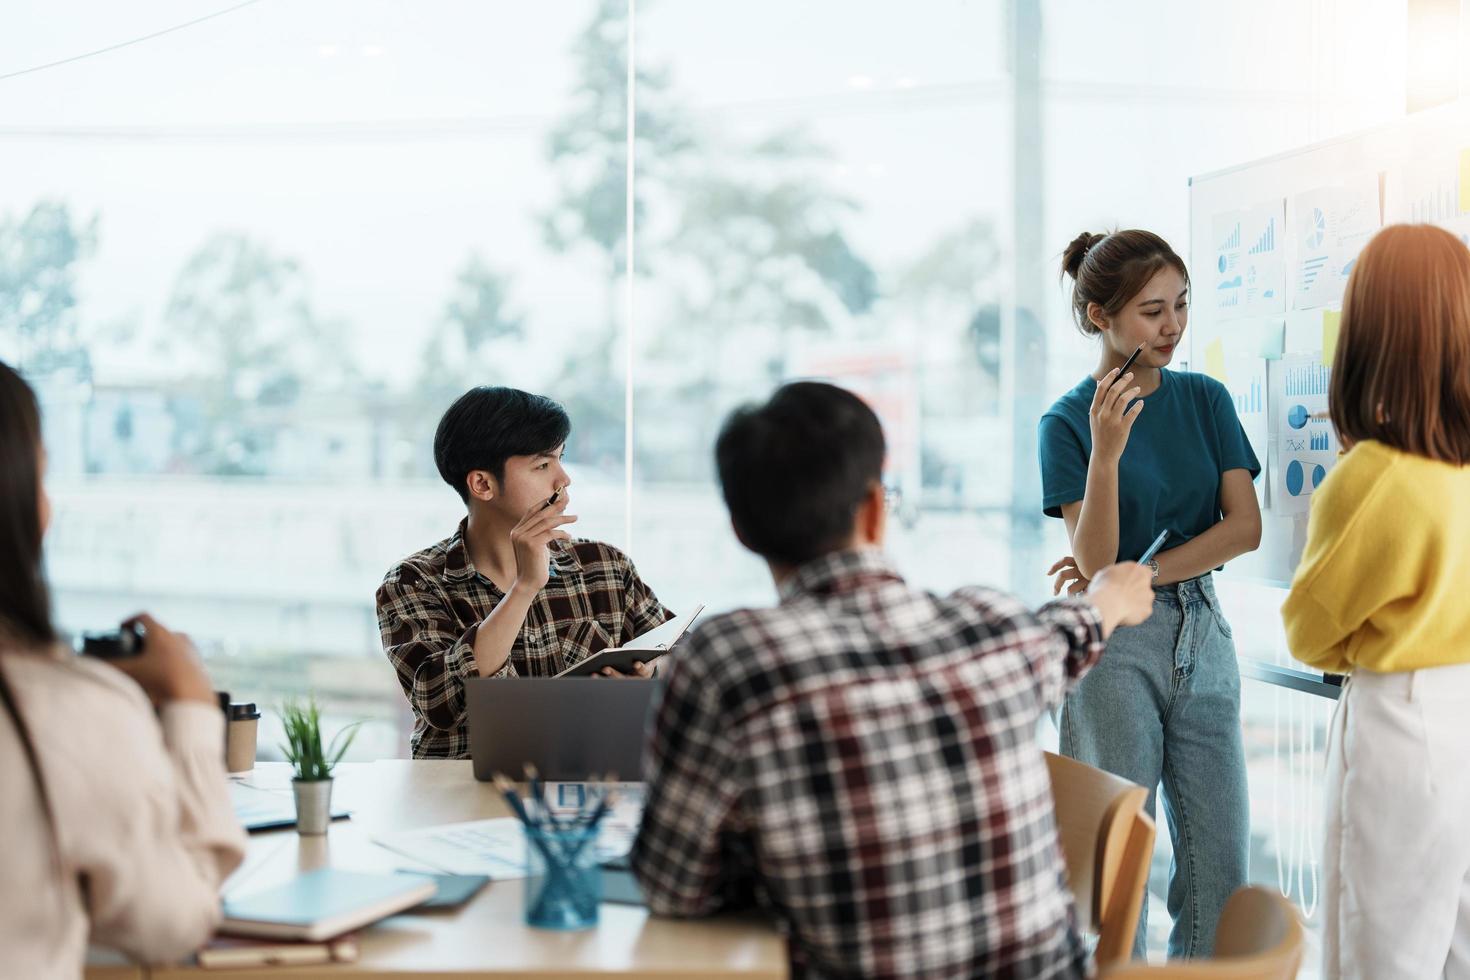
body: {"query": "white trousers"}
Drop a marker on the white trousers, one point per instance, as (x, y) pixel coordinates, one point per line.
(1396, 891)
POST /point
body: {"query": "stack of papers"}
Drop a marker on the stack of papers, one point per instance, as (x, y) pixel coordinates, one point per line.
(497, 847)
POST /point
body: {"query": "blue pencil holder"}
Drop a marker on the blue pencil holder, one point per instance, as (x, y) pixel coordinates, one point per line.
(564, 880)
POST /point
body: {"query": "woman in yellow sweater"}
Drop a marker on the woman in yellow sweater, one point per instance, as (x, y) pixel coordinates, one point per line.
(1383, 594)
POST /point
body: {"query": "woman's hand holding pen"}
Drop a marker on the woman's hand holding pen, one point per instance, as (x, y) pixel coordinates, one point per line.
(1110, 417)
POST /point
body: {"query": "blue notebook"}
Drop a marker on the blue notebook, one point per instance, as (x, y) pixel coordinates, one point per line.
(324, 903)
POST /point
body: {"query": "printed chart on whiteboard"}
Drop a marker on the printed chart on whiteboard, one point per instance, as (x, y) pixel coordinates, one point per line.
(1249, 262)
(1332, 225)
(1306, 444)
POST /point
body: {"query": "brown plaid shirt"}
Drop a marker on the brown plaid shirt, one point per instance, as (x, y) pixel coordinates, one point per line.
(431, 604)
(864, 757)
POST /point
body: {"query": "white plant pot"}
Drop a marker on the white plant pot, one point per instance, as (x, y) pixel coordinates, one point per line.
(313, 805)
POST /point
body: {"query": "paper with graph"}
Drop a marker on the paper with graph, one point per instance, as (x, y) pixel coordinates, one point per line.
(1331, 225)
(1433, 188)
(1248, 267)
(1245, 377)
(1306, 444)
(1235, 362)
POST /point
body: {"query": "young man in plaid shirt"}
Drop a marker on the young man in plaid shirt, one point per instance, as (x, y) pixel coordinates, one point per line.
(510, 593)
(862, 758)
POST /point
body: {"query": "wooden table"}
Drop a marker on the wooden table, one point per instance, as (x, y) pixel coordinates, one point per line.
(106, 965)
(488, 936)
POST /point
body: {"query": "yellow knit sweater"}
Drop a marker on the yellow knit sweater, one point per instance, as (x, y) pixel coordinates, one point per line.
(1384, 582)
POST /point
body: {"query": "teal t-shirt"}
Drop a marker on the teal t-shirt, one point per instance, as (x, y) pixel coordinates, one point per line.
(1169, 475)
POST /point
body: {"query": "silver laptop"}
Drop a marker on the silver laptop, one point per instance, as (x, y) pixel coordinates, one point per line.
(568, 727)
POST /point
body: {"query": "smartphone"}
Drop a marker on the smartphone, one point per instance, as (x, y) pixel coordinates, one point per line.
(618, 884)
(1131, 358)
(621, 888)
(454, 890)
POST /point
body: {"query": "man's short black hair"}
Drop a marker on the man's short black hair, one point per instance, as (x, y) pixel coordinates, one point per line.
(795, 469)
(486, 426)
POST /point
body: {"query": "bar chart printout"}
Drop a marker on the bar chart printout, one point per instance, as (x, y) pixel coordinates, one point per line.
(1249, 263)
(1306, 444)
(1244, 376)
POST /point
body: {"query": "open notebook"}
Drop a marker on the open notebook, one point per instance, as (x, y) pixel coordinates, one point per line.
(646, 648)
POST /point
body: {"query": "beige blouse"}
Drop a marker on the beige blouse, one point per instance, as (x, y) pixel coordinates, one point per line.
(143, 830)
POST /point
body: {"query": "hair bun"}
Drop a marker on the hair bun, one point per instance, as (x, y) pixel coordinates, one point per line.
(1076, 252)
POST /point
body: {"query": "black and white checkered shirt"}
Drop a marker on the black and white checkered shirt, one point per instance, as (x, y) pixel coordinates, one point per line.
(863, 760)
(432, 603)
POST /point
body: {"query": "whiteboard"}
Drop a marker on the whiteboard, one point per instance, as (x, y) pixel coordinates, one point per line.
(1271, 244)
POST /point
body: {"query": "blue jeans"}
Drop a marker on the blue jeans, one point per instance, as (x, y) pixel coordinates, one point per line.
(1163, 704)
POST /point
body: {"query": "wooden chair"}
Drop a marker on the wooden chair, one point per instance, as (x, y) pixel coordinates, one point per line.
(1259, 938)
(1108, 842)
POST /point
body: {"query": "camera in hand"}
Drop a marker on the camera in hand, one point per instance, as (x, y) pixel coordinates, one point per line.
(126, 641)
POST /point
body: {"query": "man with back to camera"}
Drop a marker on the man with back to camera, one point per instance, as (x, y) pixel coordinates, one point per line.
(511, 593)
(862, 758)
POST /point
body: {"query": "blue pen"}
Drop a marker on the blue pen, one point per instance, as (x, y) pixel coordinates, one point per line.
(513, 798)
(533, 781)
(1153, 548)
(590, 827)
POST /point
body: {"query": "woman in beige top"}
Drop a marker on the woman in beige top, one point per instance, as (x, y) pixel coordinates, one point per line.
(116, 821)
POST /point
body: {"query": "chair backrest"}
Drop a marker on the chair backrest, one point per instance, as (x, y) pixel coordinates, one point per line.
(1259, 938)
(1108, 842)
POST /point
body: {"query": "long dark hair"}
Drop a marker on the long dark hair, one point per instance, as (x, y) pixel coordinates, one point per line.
(25, 606)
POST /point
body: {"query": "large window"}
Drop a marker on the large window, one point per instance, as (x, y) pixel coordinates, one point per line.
(248, 263)
(828, 203)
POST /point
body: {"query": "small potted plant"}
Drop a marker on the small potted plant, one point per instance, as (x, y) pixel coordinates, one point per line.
(311, 764)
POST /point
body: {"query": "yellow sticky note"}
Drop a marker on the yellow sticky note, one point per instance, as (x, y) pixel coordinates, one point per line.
(1464, 181)
(1215, 359)
(1331, 324)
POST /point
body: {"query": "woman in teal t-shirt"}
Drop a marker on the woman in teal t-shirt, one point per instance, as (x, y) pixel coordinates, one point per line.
(1122, 459)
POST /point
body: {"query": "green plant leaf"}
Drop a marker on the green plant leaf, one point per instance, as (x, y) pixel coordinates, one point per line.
(303, 746)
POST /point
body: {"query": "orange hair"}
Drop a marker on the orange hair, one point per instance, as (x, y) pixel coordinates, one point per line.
(1402, 370)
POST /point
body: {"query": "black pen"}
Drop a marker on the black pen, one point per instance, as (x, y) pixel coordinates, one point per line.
(1131, 358)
